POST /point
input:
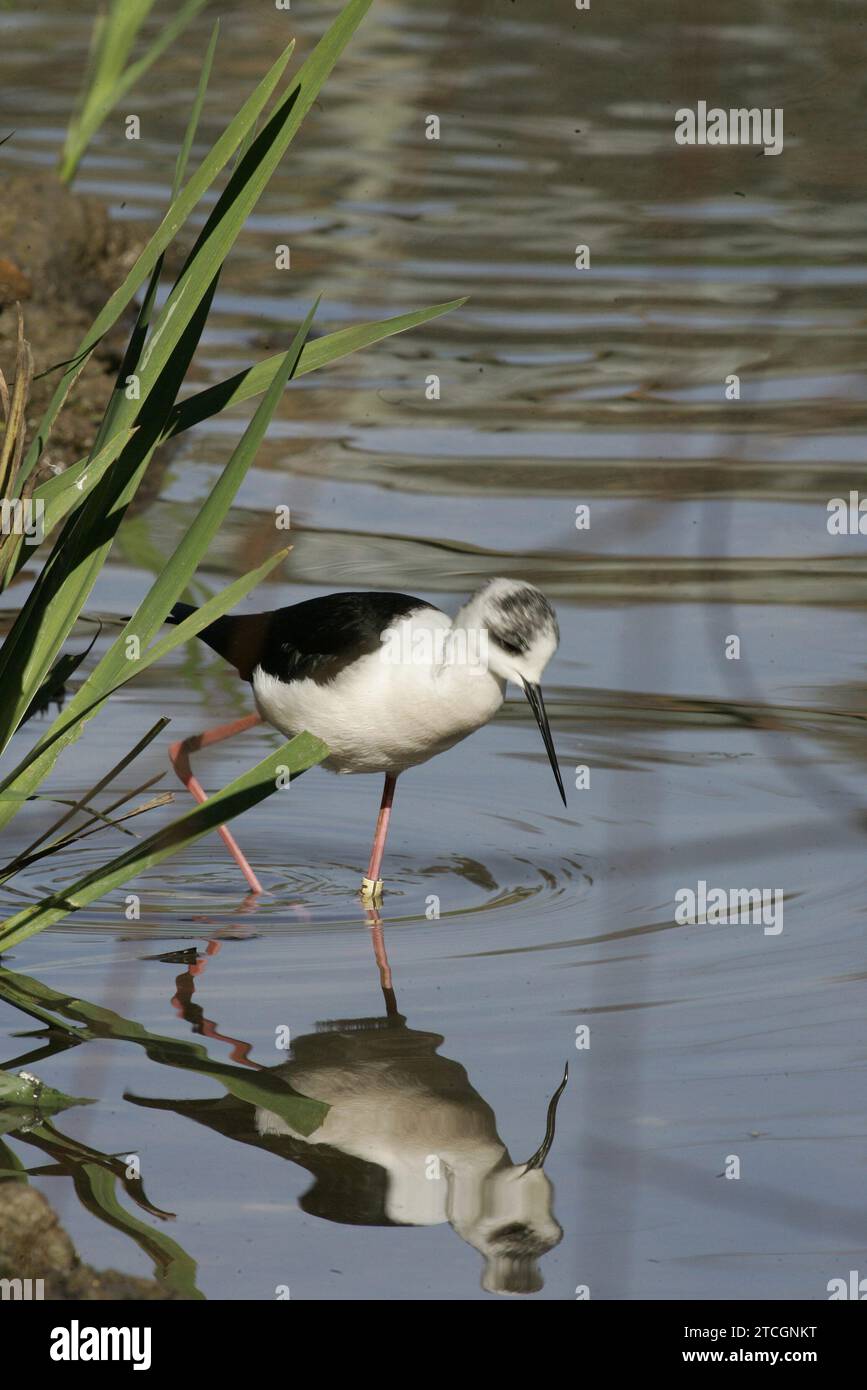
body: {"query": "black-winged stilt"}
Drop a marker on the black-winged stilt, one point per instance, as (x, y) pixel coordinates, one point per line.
(385, 680)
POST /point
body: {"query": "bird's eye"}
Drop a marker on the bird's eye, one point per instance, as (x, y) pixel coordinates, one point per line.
(513, 648)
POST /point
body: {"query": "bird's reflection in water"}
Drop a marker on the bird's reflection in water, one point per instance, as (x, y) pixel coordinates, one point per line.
(407, 1140)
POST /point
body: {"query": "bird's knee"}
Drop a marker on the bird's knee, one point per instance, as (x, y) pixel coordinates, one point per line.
(179, 756)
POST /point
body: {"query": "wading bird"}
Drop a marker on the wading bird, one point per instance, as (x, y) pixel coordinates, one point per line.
(385, 680)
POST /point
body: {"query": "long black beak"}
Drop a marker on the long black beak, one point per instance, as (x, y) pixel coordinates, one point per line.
(537, 705)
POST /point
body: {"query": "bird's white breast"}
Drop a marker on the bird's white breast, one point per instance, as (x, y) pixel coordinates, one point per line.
(391, 709)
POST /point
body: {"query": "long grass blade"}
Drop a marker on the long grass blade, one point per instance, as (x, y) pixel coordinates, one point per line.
(20, 784)
(99, 820)
(22, 673)
(238, 200)
(11, 1167)
(195, 112)
(294, 758)
(115, 665)
(262, 1088)
(110, 78)
(65, 582)
(316, 354)
(95, 1187)
(139, 333)
(243, 386)
(177, 214)
(83, 803)
(61, 494)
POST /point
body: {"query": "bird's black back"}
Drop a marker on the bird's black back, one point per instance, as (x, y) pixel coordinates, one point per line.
(313, 640)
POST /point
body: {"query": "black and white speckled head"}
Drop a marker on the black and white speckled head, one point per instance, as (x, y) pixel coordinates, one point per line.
(522, 636)
(521, 627)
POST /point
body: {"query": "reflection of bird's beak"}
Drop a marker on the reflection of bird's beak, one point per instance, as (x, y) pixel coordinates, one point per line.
(537, 705)
(544, 1148)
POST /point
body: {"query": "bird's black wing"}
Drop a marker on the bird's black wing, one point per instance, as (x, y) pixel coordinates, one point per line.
(313, 640)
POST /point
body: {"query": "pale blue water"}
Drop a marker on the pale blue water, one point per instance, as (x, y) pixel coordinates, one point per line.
(708, 518)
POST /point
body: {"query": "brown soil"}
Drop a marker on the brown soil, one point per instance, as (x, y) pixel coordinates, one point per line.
(33, 1245)
(61, 257)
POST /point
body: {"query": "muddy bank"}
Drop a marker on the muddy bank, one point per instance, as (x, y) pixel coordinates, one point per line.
(61, 256)
(33, 1245)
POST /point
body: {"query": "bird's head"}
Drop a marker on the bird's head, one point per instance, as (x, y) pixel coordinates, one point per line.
(521, 637)
(512, 1224)
(521, 626)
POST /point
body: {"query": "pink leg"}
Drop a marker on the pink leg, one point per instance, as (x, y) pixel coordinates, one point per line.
(179, 755)
(371, 886)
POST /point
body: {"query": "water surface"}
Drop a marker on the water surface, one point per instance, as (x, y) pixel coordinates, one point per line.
(708, 519)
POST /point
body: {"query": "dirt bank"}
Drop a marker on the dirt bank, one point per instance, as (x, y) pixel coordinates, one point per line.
(61, 257)
(33, 1245)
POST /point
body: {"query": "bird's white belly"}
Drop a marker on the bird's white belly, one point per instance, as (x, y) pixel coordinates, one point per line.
(381, 717)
